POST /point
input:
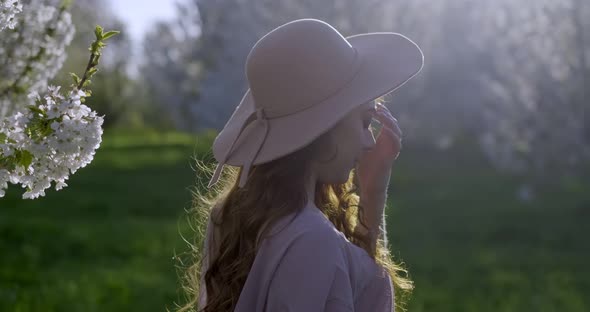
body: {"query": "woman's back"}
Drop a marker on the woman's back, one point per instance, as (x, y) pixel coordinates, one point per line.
(308, 265)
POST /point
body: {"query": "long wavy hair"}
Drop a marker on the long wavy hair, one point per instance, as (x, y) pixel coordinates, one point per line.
(244, 215)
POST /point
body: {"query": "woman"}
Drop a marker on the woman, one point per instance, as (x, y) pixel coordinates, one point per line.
(300, 225)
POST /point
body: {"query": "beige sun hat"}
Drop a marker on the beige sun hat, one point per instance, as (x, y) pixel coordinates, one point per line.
(303, 77)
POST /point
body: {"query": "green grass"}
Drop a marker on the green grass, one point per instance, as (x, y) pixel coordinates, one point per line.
(107, 241)
(471, 245)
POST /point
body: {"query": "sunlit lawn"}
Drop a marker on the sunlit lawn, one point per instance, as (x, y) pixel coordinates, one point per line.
(107, 241)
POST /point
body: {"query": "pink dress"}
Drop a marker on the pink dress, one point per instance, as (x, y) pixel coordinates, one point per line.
(308, 265)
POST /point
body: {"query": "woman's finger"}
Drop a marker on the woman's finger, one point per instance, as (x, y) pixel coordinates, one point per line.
(388, 121)
(397, 128)
(384, 109)
(392, 135)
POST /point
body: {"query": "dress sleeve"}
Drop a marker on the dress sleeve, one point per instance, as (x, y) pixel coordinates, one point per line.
(312, 276)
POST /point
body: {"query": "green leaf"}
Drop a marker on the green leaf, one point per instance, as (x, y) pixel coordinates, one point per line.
(97, 58)
(76, 78)
(27, 158)
(98, 32)
(109, 34)
(24, 158)
(36, 109)
(2, 137)
(92, 71)
(7, 163)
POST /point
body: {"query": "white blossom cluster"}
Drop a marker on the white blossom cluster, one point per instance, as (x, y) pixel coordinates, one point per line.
(58, 134)
(32, 53)
(8, 10)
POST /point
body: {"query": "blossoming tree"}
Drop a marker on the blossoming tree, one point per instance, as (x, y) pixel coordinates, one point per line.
(44, 135)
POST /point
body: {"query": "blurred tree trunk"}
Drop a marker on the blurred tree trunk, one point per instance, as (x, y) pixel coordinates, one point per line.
(581, 16)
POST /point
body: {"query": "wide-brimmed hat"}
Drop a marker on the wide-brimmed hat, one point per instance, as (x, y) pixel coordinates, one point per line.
(304, 77)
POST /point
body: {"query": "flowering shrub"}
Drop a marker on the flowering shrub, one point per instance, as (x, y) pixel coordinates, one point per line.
(54, 134)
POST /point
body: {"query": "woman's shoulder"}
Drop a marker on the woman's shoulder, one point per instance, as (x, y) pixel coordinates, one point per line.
(309, 227)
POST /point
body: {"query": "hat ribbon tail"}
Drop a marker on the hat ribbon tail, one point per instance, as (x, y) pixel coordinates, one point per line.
(260, 118)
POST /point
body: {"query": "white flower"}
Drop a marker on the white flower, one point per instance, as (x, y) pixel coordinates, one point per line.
(76, 134)
(8, 10)
(33, 95)
(32, 42)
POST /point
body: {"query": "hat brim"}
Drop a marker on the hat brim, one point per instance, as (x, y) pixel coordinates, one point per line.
(388, 59)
